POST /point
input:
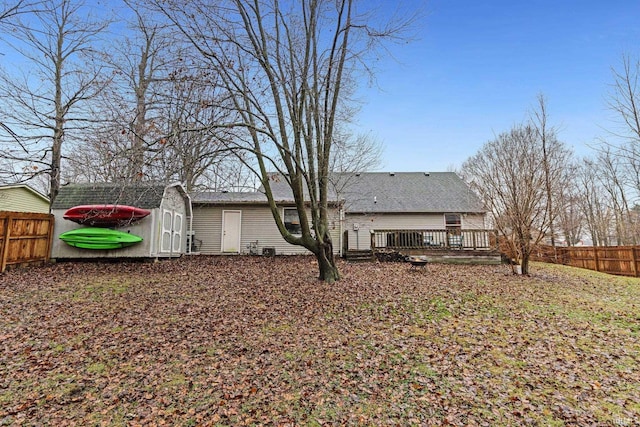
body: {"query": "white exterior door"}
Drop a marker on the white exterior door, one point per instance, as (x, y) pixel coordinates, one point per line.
(231, 222)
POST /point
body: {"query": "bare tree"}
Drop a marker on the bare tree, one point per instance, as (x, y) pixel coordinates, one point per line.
(624, 100)
(10, 9)
(509, 175)
(545, 133)
(139, 62)
(614, 177)
(43, 105)
(570, 218)
(195, 151)
(287, 68)
(593, 203)
(158, 112)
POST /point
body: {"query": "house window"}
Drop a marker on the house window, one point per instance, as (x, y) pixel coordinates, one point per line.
(453, 221)
(292, 221)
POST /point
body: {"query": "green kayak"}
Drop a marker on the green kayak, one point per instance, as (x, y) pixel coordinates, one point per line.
(99, 238)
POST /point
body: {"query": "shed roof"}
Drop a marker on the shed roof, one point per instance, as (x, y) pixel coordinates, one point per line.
(408, 192)
(142, 195)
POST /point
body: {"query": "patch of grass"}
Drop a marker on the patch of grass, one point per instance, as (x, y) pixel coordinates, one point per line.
(115, 286)
(99, 288)
(275, 328)
(97, 368)
(57, 347)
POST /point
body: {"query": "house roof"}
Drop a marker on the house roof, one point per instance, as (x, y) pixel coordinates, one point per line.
(228, 197)
(26, 187)
(280, 189)
(408, 192)
(142, 195)
(373, 192)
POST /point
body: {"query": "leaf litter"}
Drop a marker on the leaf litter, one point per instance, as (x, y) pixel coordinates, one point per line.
(260, 341)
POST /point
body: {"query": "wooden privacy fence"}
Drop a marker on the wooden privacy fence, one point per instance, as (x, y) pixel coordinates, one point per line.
(619, 260)
(24, 238)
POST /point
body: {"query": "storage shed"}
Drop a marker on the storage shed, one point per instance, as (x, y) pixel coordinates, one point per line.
(164, 231)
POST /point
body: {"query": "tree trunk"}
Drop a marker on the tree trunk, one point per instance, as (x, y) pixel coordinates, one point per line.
(328, 271)
(524, 264)
(56, 158)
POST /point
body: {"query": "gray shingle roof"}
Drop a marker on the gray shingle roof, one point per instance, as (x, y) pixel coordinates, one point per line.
(410, 192)
(374, 192)
(141, 195)
(282, 191)
(224, 197)
(279, 186)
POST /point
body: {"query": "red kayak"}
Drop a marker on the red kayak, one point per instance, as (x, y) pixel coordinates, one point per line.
(105, 215)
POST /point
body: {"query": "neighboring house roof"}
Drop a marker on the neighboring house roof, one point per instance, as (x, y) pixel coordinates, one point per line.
(142, 195)
(408, 192)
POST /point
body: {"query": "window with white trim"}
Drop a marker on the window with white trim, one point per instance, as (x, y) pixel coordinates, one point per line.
(292, 221)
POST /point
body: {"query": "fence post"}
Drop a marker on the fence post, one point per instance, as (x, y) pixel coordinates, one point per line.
(5, 244)
(50, 239)
(634, 261)
(595, 258)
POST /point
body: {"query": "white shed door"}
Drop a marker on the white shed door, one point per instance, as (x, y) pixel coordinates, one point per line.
(176, 235)
(171, 240)
(231, 222)
(167, 220)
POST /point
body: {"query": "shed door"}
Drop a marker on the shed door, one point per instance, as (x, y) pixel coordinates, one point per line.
(176, 235)
(171, 240)
(231, 221)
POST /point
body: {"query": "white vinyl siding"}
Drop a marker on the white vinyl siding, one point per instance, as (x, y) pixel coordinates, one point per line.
(257, 225)
(473, 222)
(20, 199)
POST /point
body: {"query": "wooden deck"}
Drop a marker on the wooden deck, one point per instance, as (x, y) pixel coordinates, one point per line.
(448, 246)
(434, 239)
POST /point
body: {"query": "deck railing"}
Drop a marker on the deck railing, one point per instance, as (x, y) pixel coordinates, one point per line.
(434, 239)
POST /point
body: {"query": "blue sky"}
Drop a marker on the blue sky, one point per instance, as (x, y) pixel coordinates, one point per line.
(477, 66)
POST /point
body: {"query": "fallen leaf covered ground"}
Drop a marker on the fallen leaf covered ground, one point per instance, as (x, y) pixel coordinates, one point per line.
(259, 341)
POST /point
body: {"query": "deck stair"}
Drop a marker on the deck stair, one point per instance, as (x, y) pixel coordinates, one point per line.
(360, 255)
